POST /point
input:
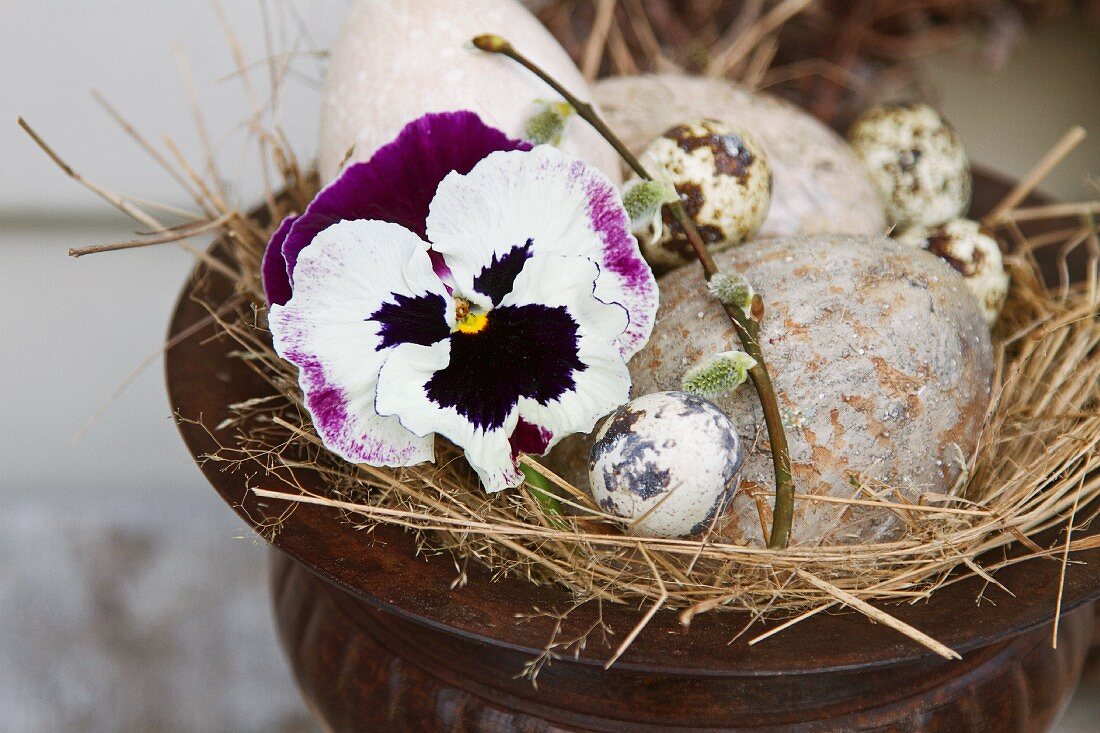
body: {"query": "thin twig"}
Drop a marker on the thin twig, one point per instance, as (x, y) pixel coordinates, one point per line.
(644, 621)
(746, 325)
(114, 199)
(726, 60)
(1035, 176)
(1065, 558)
(170, 236)
(1049, 211)
(881, 616)
(597, 39)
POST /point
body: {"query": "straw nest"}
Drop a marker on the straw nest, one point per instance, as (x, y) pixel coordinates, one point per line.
(1033, 468)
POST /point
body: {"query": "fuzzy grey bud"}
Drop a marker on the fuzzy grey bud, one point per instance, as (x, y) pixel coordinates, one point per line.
(718, 374)
(731, 289)
(643, 201)
(547, 125)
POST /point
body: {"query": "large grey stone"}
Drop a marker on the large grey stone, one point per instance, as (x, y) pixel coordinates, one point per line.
(882, 362)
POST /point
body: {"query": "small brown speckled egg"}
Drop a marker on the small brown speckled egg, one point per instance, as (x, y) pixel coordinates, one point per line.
(974, 255)
(666, 463)
(916, 161)
(724, 181)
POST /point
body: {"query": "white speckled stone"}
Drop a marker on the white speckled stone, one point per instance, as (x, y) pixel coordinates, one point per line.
(917, 162)
(819, 184)
(883, 365)
(974, 255)
(671, 457)
(395, 60)
(724, 181)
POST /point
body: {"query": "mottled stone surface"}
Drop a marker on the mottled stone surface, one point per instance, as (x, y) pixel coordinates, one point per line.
(881, 358)
(667, 462)
(819, 184)
(974, 255)
(396, 60)
(916, 161)
(724, 181)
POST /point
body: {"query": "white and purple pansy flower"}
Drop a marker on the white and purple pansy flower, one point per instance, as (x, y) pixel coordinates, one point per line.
(464, 284)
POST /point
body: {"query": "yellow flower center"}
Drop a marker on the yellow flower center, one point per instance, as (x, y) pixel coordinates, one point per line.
(468, 321)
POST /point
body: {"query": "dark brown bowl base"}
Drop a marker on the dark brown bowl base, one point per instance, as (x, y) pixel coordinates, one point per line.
(361, 669)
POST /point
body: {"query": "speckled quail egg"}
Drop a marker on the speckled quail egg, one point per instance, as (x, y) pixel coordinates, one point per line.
(974, 255)
(916, 161)
(724, 181)
(666, 463)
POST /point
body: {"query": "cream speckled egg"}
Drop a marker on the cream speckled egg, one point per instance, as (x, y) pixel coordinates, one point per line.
(974, 255)
(917, 162)
(666, 463)
(819, 184)
(881, 360)
(396, 60)
(724, 181)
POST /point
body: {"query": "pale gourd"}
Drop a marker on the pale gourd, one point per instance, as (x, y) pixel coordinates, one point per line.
(396, 60)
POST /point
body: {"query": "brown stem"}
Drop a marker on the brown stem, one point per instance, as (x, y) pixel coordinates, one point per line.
(748, 328)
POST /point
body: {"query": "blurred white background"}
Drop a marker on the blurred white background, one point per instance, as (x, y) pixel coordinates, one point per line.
(130, 597)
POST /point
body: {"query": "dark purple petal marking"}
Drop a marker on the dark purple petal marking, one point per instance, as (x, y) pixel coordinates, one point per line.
(398, 183)
(496, 278)
(622, 261)
(327, 403)
(412, 319)
(621, 254)
(524, 351)
(442, 271)
(273, 268)
(528, 438)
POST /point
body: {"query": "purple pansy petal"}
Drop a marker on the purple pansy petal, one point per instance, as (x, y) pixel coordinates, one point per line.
(402, 392)
(604, 383)
(273, 267)
(561, 205)
(407, 319)
(330, 328)
(529, 438)
(627, 278)
(399, 181)
(496, 279)
(524, 351)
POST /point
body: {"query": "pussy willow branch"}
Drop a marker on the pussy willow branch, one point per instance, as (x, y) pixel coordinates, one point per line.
(747, 325)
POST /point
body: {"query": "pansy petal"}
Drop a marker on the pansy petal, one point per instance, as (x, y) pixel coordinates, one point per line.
(545, 202)
(273, 267)
(404, 391)
(399, 181)
(361, 289)
(604, 381)
(573, 282)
